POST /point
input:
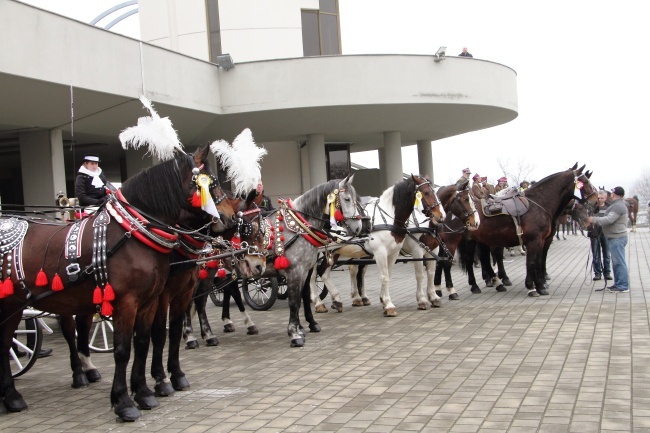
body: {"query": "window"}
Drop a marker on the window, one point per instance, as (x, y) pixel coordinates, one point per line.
(214, 27)
(338, 160)
(320, 30)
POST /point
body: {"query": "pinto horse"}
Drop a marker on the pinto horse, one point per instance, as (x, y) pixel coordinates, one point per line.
(390, 215)
(134, 261)
(547, 200)
(632, 204)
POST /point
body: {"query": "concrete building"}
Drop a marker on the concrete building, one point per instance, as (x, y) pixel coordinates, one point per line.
(70, 88)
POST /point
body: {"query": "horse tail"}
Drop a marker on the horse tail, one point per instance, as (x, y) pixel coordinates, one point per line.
(462, 253)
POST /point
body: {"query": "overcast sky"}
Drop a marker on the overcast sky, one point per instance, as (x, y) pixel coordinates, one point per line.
(583, 76)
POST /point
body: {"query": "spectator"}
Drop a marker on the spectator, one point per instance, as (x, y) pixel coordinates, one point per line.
(487, 188)
(599, 248)
(90, 184)
(265, 204)
(465, 53)
(614, 225)
(523, 185)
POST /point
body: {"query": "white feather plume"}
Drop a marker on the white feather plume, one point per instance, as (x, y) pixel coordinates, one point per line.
(241, 160)
(153, 131)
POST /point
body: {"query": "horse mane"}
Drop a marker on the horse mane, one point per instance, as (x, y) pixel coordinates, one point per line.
(540, 190)
(159, 190)
(313, 201)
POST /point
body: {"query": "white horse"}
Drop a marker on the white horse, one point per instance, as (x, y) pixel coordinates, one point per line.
(391, 214)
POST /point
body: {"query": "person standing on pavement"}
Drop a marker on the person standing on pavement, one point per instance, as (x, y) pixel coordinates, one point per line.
(599, 248)
(614, 224)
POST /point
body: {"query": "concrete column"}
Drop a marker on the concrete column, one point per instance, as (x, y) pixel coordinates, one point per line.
(392, 167)
(317, 162)
(381, 154)
(425, 158)
(41, 159)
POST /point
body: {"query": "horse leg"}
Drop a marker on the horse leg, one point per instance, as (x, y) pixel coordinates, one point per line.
(501, 269)
(11, 398)
(228, 293)
(294, 289)
(354, 285)
(68, 327)
(319, 305)
(201, 299)
(420, 296)
(188, 331)
(306, 301)
(467, 249)
(123, 324)
(143, 396)
(437, 278)
(177, 309)
(158, 338)
(361, 284)
(449, 282)
(251, 329)
(385, 263)
(432, 294)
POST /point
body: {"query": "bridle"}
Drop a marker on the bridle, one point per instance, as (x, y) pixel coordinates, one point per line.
(428, 209)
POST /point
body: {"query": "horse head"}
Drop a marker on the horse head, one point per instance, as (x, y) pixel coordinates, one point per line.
(432, 207)
(588, 192)
(250, 230)
(346, 203)
(457, 201)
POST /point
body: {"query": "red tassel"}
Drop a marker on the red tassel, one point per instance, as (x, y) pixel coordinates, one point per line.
(281, 262)
(212, 264)
(107, 309)
(221, 273)
(338, 215)
(98, 298)
(195, 201)
(9, 287)
(41, 279)
(235, 242)
(2, 290)
(57, 283)
(109, 293)
(203, 274)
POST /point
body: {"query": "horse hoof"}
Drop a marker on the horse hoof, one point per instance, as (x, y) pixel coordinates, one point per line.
(192, 344)
(338, 306)
(93, 375)
(533, 294)
(422, 306)
(506, 281)
(229, 328)
(15, 403)
(252, 330)
(454, 297)
(213, 341)
(489, 283)
(297, 342)
(501, 288)
(357, 303)
(437, 303)
(163, 388)
(542, 292)
(321, 308)
(146, 402)
(79, 381)
(390, 312)
(439, 293)
(314, 327)
(180, 383)
(475, 289)
(365, 301)
(128, 414)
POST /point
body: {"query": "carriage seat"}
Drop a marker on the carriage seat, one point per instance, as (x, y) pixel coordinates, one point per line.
(507, 202)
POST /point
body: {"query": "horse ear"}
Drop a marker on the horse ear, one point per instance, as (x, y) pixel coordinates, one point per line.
(574, 166)
(581, 168)
(588, 174)
(201, 154)
(351, 178)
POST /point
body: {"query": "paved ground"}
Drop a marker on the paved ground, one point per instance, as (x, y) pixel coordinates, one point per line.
(575, 361)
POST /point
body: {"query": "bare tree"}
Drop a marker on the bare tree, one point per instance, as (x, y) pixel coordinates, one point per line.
(516, 171)
(641, 187)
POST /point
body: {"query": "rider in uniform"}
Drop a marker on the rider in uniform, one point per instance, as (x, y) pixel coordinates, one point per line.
(465, 176)
(477, 188)
(502, 183)
(90, 184)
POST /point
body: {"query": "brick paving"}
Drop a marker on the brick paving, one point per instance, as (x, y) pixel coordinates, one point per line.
(575, 361)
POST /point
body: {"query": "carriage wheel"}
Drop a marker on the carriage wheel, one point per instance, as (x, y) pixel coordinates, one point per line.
(260, 293)
(26, 346)
(101, 335)
(282, 288)
(216, 294)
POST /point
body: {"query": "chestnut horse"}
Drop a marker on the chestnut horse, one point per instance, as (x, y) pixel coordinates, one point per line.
(632, 204)
(134, 262)
(547, 200)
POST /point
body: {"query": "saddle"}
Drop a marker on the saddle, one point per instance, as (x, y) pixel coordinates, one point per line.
(509, 201)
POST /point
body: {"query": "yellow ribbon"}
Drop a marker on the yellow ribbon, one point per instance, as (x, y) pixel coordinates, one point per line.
(418, 199)
(203, 182)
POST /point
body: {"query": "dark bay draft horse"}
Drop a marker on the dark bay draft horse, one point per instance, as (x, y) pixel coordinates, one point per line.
(122, 253)
(632, 204)
(299, 230)
(547, 200)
